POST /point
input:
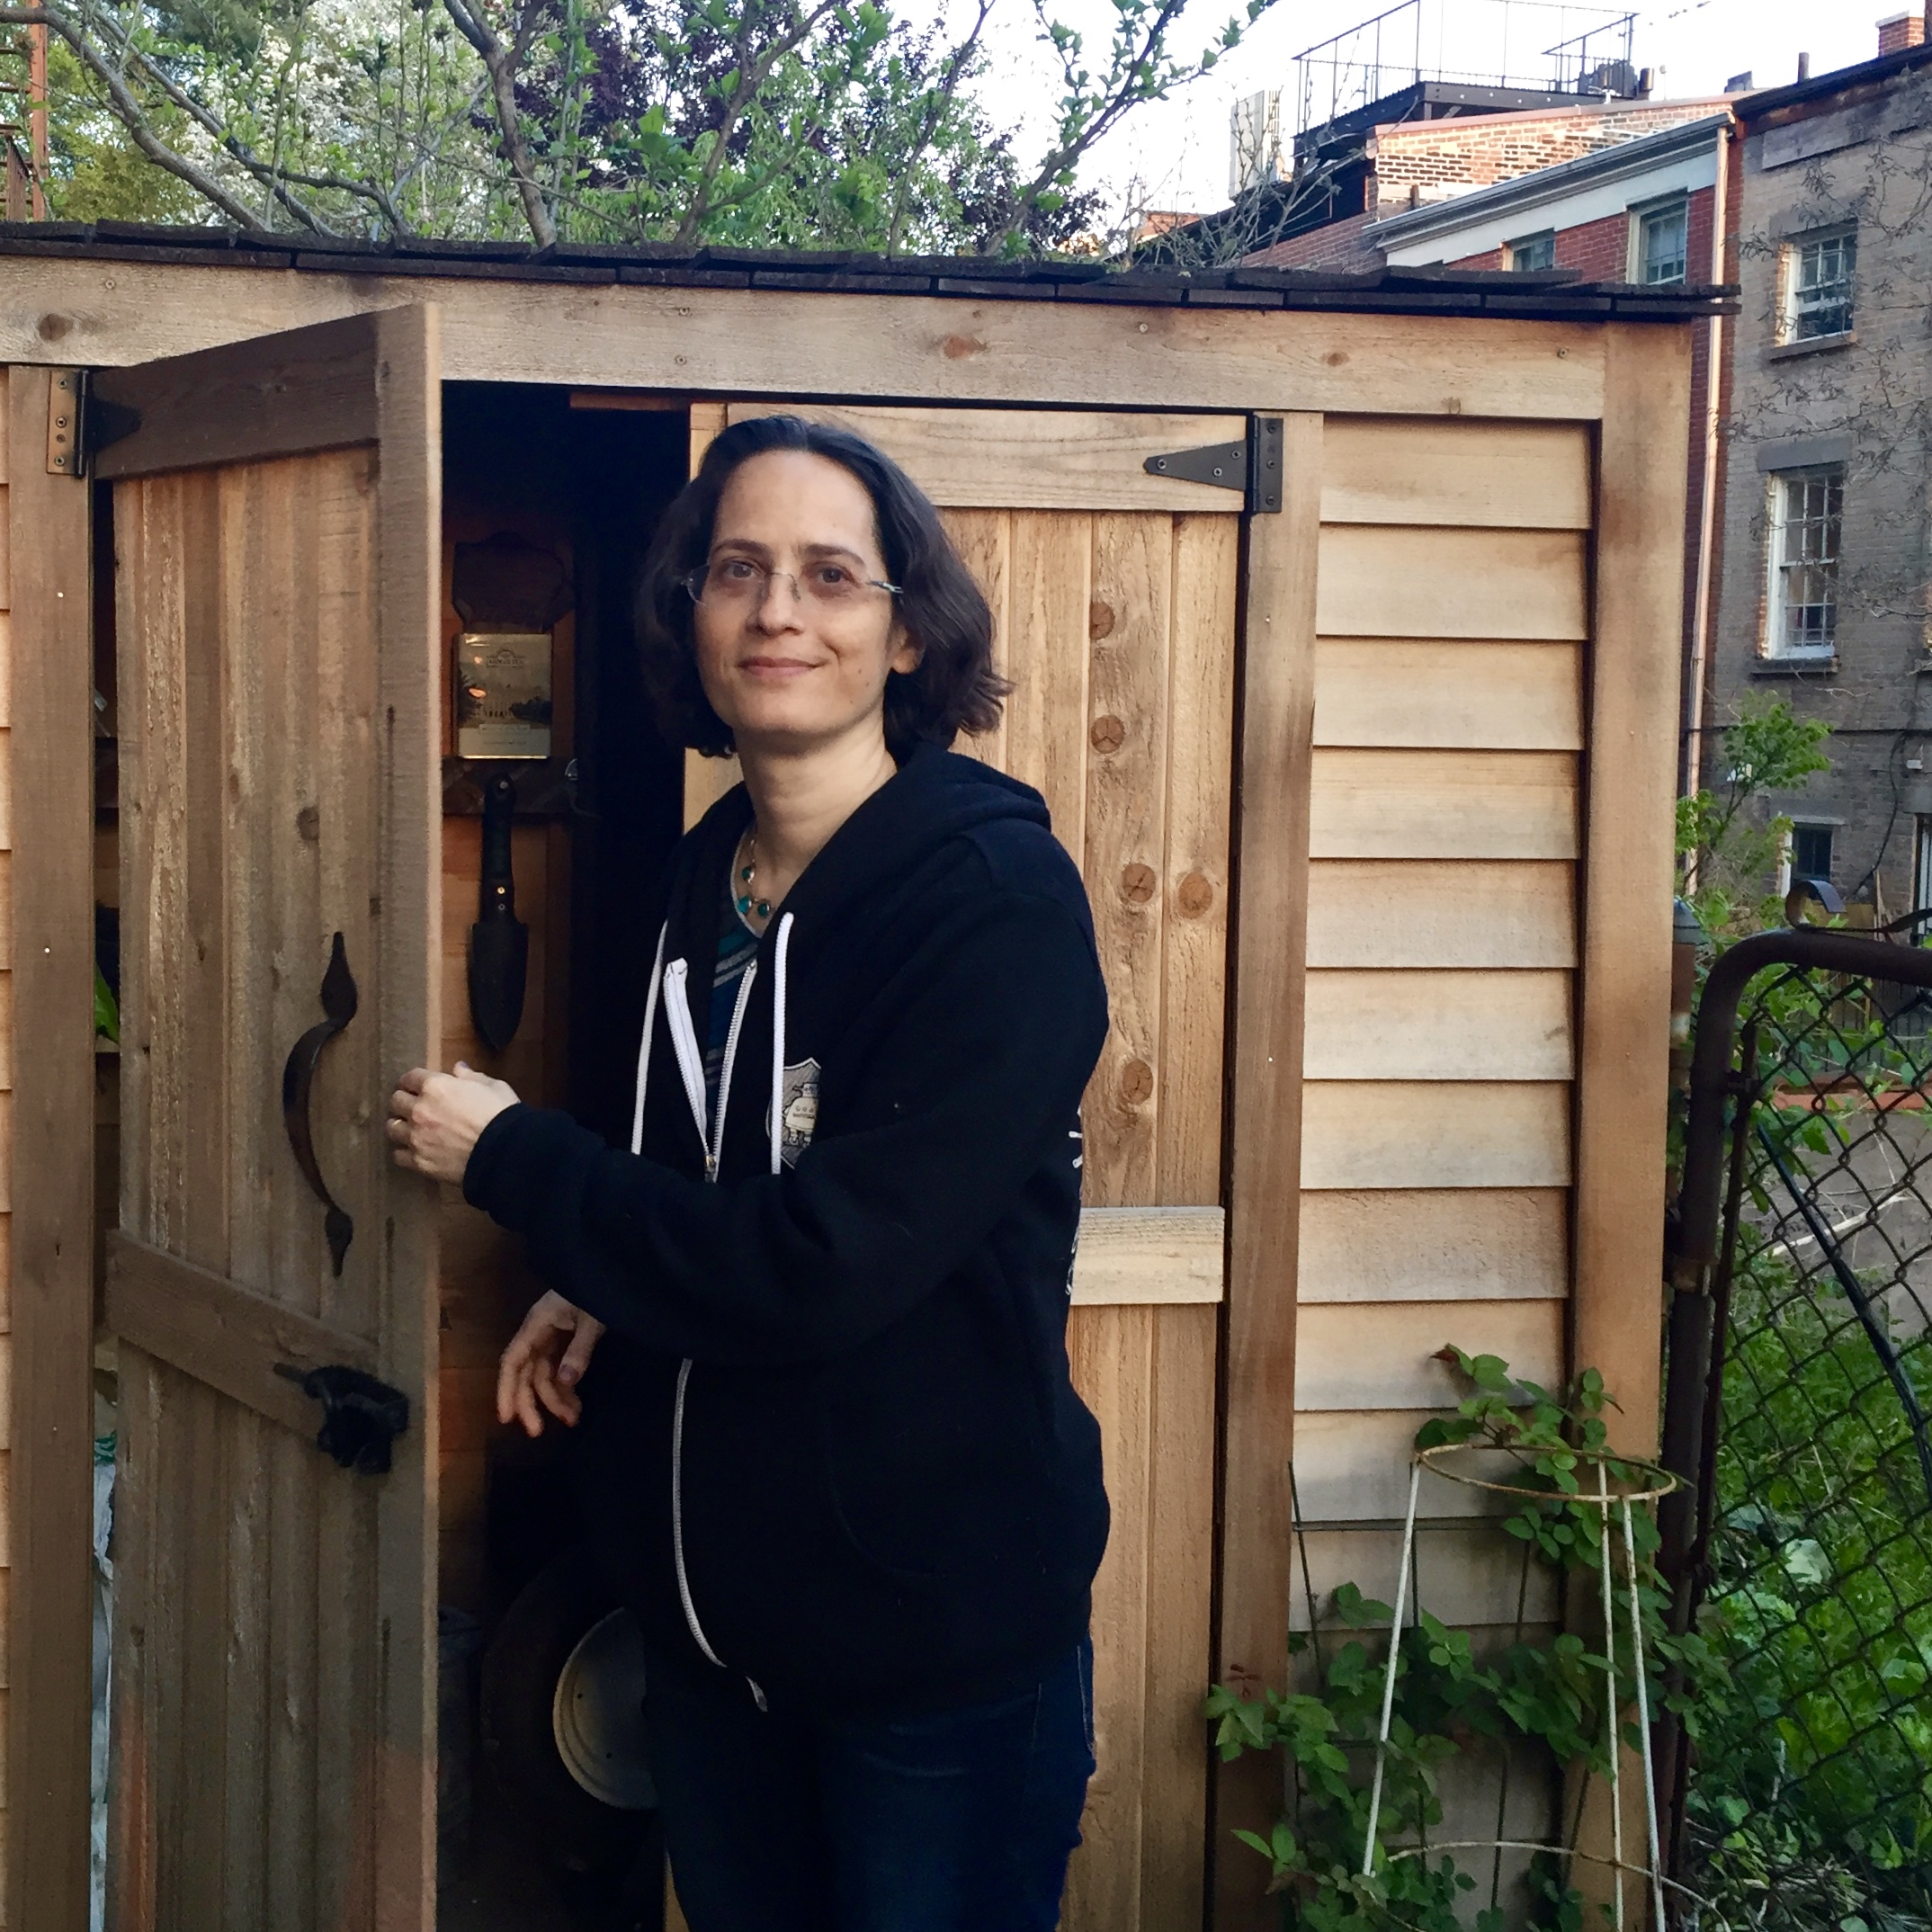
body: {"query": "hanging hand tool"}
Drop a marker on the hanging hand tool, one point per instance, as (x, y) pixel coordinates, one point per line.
(499, 942)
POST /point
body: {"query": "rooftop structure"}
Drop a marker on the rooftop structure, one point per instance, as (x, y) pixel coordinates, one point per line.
(1507, 55)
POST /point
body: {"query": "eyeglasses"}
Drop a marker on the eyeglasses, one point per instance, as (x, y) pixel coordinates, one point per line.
(737, 583)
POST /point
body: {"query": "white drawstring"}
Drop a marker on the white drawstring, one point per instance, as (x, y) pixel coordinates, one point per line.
(778, 1041)
(685, 1041)
(674, 978)
(715, 1152)
(650, 1020)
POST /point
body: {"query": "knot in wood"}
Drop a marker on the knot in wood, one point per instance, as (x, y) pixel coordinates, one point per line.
(1099, 619)
(1137, 884)
(1137, 1083)
(1195, 895)
(1107, 734)
(308, 824)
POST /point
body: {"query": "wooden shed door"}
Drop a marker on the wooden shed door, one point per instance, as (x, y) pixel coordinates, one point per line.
(1114, 594)
(275, 534)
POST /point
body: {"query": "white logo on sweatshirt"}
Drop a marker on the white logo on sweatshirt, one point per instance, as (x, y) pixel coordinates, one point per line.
(800, 1114)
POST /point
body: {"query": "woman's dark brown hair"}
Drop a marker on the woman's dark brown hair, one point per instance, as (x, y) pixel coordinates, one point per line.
(953, 688)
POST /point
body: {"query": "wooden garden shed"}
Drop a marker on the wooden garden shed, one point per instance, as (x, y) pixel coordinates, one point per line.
(1343, 616)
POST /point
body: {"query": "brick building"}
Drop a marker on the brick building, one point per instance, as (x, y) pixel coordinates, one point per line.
(1818, 591)
(1417, 164)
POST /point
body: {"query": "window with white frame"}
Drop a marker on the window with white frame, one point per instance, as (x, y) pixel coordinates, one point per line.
(1532, 253)
(1807, 518)
(1817, 272)
(1662, 243)
(1922, 864)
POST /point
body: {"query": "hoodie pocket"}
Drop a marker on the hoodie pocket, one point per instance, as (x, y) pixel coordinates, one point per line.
(883, 1529)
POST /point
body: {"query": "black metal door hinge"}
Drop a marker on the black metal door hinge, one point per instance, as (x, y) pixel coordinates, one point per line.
(1252, 466)
(79, 423)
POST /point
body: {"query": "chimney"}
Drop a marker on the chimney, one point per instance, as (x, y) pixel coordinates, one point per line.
(1804, 69)
(1900, 30)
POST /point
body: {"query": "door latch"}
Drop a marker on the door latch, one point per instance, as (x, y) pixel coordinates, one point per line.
(361, 1416)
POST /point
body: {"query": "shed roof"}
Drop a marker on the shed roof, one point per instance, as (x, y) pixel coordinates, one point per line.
(1556, 294)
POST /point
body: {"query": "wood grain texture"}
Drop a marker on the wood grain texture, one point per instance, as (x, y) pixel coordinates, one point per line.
(1444, 805)
(1047, 725)
(752, 342)
(401, 1818)
(1388, 581)
(206, 1326)
(1499, 475)
(1445, 1134)
(1272, 786)
(1625, 1018)
(1035, 458)
(1111, 1352)
(311, 388)
(1129, 618)
(50, 1182)
(1425, 1025)
(1478, 696)
(1194, 879)
(1422, 1244)
(1468, 1575)
(1148, 1375)
(1473, 913)
(1351, 1466)
(1366, 1356)
(1174, 1787)
(1149, 1255)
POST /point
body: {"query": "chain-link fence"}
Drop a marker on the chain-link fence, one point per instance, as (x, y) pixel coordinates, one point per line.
(1801, 1389)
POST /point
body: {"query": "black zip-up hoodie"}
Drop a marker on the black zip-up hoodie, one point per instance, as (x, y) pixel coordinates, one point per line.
(830, 1442)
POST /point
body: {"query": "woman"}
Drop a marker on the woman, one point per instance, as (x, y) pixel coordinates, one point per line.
(813, 1323)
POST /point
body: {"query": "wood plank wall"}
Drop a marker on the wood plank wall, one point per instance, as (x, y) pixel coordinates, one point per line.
(6, 1082)
(1130, 741)
(1442, 963)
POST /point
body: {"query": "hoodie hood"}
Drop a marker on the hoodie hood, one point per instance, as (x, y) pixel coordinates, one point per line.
(934, 798)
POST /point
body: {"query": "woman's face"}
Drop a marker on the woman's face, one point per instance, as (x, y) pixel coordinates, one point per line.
(798, 657)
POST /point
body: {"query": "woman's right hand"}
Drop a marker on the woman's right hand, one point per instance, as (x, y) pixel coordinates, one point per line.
(543, 1363)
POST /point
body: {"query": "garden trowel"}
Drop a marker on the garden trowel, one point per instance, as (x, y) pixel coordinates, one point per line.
(499, 942)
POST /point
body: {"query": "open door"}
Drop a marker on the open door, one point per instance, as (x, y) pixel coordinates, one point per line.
(275, 514)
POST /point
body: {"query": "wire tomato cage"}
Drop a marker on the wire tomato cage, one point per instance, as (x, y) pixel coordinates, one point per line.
(1637, 1484)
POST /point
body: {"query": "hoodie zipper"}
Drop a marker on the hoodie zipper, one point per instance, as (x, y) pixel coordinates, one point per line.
(675, 982)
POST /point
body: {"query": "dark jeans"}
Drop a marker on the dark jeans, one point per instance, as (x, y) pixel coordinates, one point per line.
(958, 1822)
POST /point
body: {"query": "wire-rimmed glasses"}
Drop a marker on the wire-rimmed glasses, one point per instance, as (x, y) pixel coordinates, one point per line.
(737, 583)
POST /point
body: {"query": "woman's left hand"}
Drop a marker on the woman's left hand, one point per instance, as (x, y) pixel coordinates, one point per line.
(435, 1118)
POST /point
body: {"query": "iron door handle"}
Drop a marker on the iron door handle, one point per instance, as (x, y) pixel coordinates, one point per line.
(339, 1001)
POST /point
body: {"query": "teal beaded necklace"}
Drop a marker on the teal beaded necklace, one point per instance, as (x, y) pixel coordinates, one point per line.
(749, 905)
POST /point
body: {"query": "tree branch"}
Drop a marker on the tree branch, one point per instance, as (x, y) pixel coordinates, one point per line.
(503, 63)
(128, 110)
(937, 104)
(750, 78)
